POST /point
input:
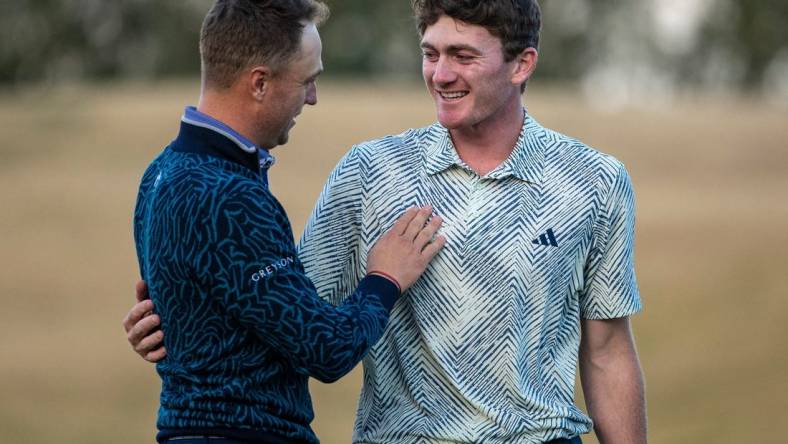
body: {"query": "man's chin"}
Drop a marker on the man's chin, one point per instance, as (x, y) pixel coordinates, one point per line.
(450, 123)
(451, 120)
(283, 139)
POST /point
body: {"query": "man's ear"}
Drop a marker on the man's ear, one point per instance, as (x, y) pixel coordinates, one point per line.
(524, 66)
(259, 79)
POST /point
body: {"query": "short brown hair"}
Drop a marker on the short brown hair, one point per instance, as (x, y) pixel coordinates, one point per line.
(237, 34)
(515, 22)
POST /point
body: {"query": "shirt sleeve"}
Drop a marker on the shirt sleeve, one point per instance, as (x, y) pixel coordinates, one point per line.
(254, 271)
(610, 289)
(330, 247)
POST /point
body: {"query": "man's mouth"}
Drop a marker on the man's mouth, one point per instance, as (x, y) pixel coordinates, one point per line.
(452, 95)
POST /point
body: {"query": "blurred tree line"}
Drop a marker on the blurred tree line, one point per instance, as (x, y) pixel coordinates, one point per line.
(741, 44)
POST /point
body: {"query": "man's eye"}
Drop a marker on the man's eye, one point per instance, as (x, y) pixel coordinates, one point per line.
(430, 55)
(463, 57)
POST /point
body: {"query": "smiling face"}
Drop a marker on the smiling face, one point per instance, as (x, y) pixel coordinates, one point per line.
(466, 74)
(289, 89)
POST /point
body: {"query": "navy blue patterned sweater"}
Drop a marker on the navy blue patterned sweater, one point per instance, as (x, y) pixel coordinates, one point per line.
(244, 327)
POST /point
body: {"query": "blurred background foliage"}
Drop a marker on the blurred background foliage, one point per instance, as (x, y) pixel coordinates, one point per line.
(613, 48)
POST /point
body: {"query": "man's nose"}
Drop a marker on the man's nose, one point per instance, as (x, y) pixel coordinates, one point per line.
(444, 72)
(311, 95)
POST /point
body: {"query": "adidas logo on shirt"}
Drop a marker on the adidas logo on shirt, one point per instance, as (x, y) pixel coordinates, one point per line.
(547, 239)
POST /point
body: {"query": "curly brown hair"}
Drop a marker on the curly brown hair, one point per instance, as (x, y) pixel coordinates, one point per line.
(237, 34)
(515, 22)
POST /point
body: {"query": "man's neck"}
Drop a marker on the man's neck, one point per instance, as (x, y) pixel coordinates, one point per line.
(485, 146)
(226, 110)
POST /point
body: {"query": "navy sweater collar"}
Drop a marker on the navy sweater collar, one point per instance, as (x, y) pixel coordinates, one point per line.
(200, 134)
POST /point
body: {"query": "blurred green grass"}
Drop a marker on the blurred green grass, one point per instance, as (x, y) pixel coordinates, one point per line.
(711, 177)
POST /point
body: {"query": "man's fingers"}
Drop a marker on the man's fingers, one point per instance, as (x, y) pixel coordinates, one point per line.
(417, 223)
(433, 247)
(142, 291)
(402, 223)
(427, 234)
(156, 355)
(149, 343)
(143, 328)
(137, 313)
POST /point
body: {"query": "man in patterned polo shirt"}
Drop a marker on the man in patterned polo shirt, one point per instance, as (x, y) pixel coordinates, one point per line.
(538, 271)
(539, 249)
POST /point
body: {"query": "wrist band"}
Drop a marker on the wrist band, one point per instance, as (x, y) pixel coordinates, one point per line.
(386, 276)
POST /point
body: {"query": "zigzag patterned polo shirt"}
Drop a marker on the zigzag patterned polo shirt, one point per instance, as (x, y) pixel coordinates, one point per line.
(484, 347)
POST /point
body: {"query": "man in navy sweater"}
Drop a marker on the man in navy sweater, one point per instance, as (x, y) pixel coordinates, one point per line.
(245, 326)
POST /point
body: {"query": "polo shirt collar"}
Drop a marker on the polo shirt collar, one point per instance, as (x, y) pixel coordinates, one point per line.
(525, 162)
(440, 154)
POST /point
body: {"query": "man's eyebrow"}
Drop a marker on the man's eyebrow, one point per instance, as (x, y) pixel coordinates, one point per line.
(315, 75)
(453, 49)
(425, 45)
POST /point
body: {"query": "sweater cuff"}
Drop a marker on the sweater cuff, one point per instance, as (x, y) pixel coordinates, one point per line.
(386, 290)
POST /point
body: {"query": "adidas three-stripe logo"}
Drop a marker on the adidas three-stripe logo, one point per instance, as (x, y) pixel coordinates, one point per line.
(547, 239)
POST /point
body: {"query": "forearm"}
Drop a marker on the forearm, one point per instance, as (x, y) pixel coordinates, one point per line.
(320, 340)
(613, 386)
(262, 285)
(351, 329)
